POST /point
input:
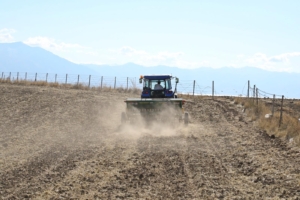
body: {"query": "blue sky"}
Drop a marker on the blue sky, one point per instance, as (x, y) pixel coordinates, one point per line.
(185, 34)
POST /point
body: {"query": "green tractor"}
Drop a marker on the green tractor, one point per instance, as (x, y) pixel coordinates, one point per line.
(158, 101)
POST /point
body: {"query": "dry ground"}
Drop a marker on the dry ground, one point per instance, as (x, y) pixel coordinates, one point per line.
(68, 144)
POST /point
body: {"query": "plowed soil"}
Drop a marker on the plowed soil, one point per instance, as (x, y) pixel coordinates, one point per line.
(69, 144)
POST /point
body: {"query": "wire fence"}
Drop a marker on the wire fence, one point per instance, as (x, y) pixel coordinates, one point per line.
(73, 79)
(258, 94)
(190, 87)
(261, 94)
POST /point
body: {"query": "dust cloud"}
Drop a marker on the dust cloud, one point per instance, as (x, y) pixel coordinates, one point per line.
(165, 123)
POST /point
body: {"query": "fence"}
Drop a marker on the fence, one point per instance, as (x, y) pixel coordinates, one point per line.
(190, 87)
(85, 80)
(258, 94)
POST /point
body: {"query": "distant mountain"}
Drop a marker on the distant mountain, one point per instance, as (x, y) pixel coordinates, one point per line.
(228, 81)
(19, 57)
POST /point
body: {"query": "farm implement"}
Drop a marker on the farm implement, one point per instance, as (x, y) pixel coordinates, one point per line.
(158, 101)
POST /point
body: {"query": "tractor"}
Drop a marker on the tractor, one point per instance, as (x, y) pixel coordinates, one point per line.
(158, 101)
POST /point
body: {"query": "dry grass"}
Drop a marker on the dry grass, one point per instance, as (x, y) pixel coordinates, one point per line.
(289, 127)
(239, 100)
(191, 97)
(79, 86)
(297, 103)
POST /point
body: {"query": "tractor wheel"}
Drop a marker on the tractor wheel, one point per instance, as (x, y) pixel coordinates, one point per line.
(123, 118)
(186, 118)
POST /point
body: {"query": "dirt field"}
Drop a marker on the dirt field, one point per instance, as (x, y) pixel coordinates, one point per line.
(68, 144)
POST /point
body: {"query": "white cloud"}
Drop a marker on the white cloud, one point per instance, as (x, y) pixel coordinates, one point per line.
(130, 54)
(284, 57)
(163, 56)
(257, 58)
(6, 35)
(52, 44)
(283, 62)
(71, 51)
(129, 51)
(241, 56)
(77, 53)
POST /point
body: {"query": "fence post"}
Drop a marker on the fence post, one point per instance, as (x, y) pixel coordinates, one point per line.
(280, 119)
(257, 96)
(213, 89)
(46, 77)
(194, 83)
(17, 76)
(25, 76)
(248, 91)
(273, 105)
(66, 78)
(89, 81)
(35, 77)
(101, 81)
(253, 92)
(115, 82)
(127, 83)
(55, 78)
(78, 80)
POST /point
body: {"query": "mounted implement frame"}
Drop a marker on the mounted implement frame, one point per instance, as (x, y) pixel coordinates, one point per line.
(158, 101)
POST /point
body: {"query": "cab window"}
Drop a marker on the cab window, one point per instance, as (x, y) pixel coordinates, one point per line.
(168, 84)
(154, 82)
(146, 83)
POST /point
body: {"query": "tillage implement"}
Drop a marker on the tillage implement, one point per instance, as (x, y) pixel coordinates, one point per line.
(158, 101)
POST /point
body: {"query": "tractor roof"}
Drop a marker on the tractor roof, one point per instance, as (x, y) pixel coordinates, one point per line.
(157, 77)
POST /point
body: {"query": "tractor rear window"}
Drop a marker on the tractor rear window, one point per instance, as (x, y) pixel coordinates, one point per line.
(154, 84)
(151, 84)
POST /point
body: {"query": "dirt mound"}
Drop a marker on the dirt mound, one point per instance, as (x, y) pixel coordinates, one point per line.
(68, 144)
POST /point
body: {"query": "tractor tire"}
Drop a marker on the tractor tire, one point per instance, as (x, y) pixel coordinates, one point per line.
(123, 118)
(186, 118)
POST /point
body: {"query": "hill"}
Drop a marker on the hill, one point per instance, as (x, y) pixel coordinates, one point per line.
(19, 57)
(228, 81)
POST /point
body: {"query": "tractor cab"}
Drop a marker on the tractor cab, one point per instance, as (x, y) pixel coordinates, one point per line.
(158, 86)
